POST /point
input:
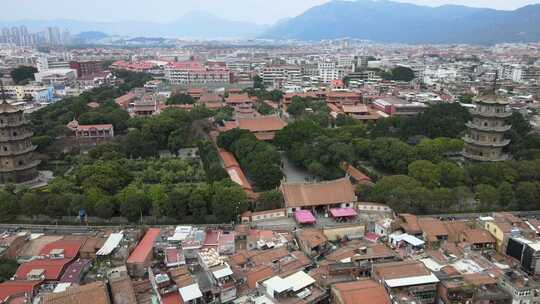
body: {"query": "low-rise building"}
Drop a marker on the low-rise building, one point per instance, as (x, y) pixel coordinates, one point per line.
(56, 76)
(295, 288)
(141, 257)
(407, 282)
(263, 127)
(363, 291)
(318, 197)
(397, 106)
(93, 293)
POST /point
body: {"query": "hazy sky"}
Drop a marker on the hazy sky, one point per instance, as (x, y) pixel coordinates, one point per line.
(259, 11)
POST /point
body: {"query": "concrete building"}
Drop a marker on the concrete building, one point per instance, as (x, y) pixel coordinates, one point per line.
(397, 106)
(56, 76)
(278, 76)
(189, 73)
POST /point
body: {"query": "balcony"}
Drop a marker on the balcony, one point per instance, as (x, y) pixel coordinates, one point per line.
(27, 166)
(503, 114)
(502, 157)
(18, 152)
(488, 129)
(481, 143)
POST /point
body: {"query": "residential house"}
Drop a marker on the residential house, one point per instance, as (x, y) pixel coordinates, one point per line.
(407, 282)
(363, 291)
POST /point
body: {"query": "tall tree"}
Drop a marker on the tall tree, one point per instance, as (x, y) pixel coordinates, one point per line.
(23, 73)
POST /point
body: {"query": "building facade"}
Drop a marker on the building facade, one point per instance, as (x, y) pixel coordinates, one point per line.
(16, 149)
(485, 139)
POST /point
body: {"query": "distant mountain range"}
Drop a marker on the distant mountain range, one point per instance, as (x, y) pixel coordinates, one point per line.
(198, 25)
(387, 21)
(375, 20)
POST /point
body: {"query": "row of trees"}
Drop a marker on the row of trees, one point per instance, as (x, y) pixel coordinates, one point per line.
(105, 188)
(260, 160)
(321, 150)
(441, 120)
(405, 193)
(180, 98)
(308, 109)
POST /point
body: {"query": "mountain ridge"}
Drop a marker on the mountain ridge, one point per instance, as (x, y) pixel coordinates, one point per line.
(194, 24)
(389, 21)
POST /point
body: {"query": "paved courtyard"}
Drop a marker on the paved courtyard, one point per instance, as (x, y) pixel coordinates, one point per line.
(293, 174)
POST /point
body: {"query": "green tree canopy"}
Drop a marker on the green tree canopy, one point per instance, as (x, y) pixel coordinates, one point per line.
(23, 73)
(180, 98)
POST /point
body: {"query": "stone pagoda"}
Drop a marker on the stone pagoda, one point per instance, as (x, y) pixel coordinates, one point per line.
(17, 164)
(485, 137)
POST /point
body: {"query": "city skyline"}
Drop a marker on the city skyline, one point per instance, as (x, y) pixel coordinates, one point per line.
(255, 11)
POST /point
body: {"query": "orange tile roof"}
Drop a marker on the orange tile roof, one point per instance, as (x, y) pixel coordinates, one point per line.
(93, 293)
(261, 123)
(396, 270)
(234, 170)
(330, 192)
(257, 275)
(355, 173)
(237, 98)
(364, 291)
(355, 109)
(478, 236)
(313, 237)
(455, 228)
(410, 223)
(479, 279)
(269, 256)
(432, 227)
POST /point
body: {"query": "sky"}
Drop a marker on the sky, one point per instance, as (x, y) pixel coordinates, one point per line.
(257, 11)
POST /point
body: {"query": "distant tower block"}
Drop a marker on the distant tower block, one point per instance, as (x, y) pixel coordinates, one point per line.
(485, 137)
(17, 164)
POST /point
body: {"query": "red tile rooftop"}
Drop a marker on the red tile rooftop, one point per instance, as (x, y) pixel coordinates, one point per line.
(94, 127)
(211, 238)
(145, 246)
(70, 247)
(186, 65)
(172, 298)
(52, 268)
(13, 288)
(172, 255)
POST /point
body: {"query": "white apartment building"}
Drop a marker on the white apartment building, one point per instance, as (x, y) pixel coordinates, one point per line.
(329, 71)
(56, 76)
(45, 63)
(439, 73)
(38, 93)
(519, 72)
(194, 73)
(278, 76)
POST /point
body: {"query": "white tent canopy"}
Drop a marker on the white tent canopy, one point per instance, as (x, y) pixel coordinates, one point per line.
(111, 243)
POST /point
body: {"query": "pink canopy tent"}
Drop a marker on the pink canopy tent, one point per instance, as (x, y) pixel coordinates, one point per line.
(342, 212)
(304, 217)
